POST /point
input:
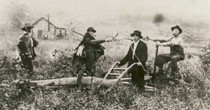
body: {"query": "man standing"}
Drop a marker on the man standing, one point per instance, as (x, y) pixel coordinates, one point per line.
(137, 53)
(177, 52)
(26, 45)
(87, 53)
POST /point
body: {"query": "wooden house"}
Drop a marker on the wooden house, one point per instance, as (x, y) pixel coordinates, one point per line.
(44, 29)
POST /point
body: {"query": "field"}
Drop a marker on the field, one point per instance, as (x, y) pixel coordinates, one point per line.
(194, 94)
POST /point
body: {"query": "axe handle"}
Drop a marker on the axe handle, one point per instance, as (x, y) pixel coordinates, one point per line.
(156, 53)
(16, 25)
(78, 33)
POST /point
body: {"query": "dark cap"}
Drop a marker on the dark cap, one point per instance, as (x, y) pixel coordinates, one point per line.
(91, 29)
(137, 33)
(27, 26)
(177, 27)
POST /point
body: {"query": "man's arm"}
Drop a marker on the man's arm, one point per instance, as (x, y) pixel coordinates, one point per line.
(177, 41)
(97, 41)
(88, 40)
(35, 42)
(20, 43)
(144, 53)
(18, 47)
(159, 40)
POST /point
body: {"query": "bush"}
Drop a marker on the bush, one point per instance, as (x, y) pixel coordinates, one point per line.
(205, 57)
(192, 94)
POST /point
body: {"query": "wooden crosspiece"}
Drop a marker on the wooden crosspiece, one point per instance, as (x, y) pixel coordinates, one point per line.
(123, 71)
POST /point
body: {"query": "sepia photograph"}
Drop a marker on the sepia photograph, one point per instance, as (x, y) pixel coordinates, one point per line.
(105, 55)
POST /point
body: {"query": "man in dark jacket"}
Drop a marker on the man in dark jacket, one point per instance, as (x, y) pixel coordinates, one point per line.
(26, 45)
(137, 53)
(177, 52)
(88, 55)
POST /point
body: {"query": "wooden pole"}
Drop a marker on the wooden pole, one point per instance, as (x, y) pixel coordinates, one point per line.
(118, 79)
(156, 53)
(48, 19)
(78, 33)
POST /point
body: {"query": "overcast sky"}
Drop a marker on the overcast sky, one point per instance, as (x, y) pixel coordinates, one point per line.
(192, 10)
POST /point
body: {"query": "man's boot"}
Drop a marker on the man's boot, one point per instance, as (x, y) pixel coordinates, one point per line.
(175, 74)
(160, 71)
(160, 74)
(172, 76)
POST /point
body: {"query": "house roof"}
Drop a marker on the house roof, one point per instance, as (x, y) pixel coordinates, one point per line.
(43, 18)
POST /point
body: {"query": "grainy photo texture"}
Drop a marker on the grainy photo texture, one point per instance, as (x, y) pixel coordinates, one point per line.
(104, 55)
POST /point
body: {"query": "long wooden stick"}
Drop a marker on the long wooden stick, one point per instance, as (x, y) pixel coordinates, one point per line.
(78, 33)
(110, 70)
(16, 25)
(156, 53)
(83, 35)
(123, 74)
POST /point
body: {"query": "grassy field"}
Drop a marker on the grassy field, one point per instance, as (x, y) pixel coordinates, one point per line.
(193, 95)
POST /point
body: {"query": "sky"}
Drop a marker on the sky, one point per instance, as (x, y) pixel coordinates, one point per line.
(187, 10)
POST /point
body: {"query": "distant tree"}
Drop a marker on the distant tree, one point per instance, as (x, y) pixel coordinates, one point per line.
(158, 18)
(205, 57)
(17, 13)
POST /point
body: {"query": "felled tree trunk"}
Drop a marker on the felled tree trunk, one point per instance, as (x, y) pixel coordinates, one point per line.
(73, 81)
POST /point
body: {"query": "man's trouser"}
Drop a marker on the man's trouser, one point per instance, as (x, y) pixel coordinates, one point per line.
(165, 58)
(90, 63)
(89, 69)
(137, 76)
(77, 69)
(27, 63)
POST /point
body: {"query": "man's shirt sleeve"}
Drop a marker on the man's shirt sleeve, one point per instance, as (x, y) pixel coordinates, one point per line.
(177, 41)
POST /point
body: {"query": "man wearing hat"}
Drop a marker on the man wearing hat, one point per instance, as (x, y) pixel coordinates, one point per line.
(176, 52)
(26, 45)
(137, 53)
(90, 53)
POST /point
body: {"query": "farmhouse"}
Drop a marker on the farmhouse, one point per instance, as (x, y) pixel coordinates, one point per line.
(44, 29)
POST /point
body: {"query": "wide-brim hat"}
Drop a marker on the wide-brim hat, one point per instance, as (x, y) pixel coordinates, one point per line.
(91, 29)
(137, 33)
(176, 27)
(27, 26)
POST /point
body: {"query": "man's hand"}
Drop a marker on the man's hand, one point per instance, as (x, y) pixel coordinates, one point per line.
(147, 38)
(139, 63)
(109, 39)
(118, 63)
(115, 36)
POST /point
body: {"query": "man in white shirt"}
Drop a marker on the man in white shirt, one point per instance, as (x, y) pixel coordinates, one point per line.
(136, 53)
(135, 43)
(177, 52)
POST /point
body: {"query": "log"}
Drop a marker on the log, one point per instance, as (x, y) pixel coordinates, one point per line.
(72, 81)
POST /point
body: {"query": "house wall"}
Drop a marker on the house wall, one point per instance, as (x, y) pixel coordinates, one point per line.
(43, 25)
(60, 33)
